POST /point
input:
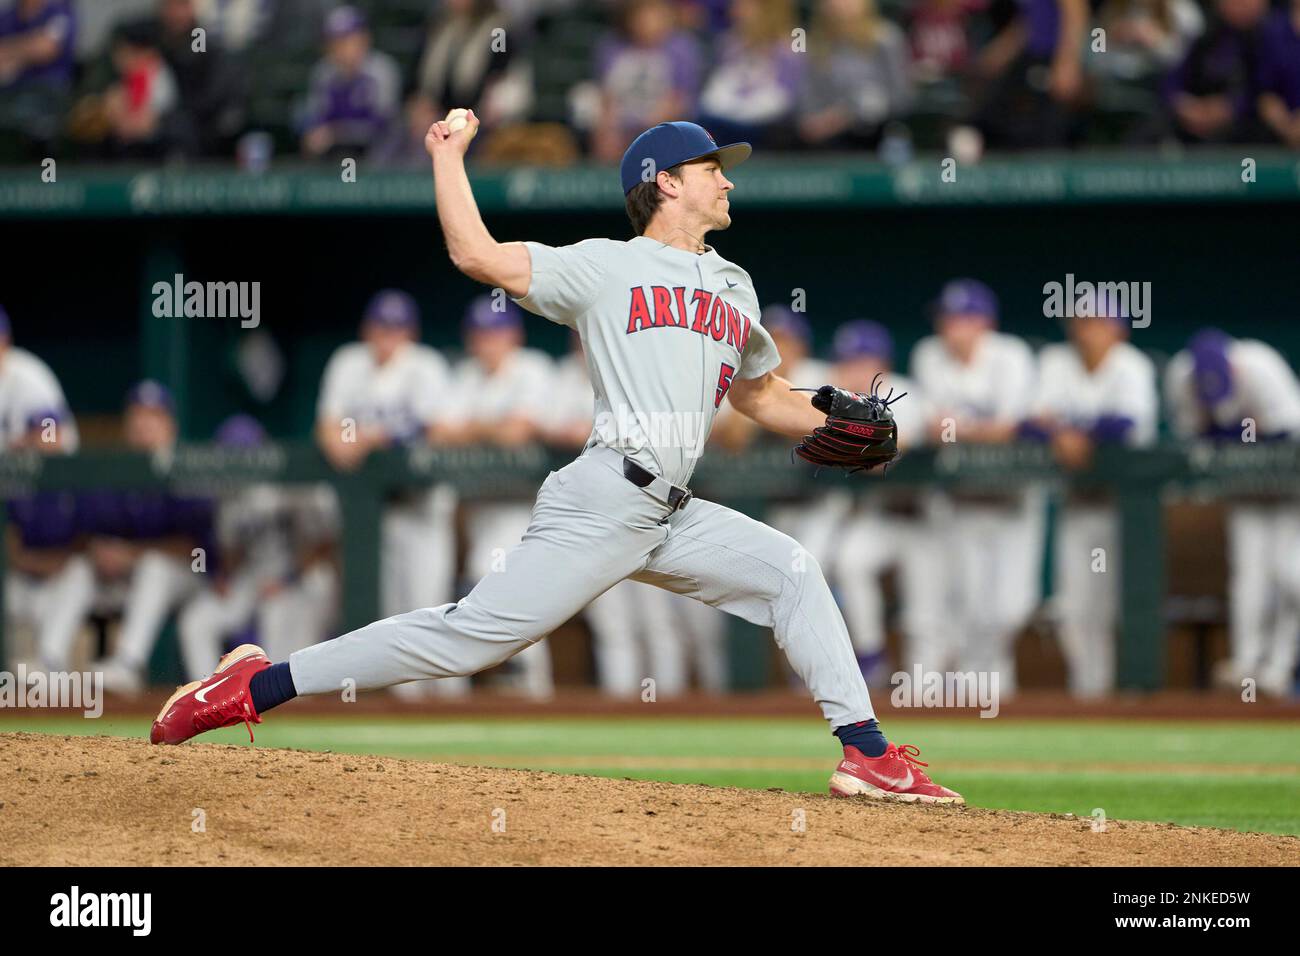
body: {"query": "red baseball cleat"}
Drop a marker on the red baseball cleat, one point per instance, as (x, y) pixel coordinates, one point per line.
(895, 775)
(221, 700)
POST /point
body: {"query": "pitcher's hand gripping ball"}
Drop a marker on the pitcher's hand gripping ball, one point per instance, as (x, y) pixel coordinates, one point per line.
(859, 434)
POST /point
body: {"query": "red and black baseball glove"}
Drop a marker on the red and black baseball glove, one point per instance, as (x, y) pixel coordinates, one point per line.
(859, 433)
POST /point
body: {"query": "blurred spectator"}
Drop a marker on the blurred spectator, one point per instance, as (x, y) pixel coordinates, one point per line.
(37, 65)
(1279, 98)
(857, 78)
(1097, 390)
(939, 36)
(277, 572)
(1145, 38)
(648, 72)
(239, 25)
(211, 110)
(464, 62)
(751, 92)
(37, 40)
(1212, 93)
(1035, 73)
(139, 105)
(150, 551)
(355, 90)
(1242, 390)
(710, 17)
(33, 410)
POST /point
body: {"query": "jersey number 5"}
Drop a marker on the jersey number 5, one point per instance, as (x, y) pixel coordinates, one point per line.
(724, 383)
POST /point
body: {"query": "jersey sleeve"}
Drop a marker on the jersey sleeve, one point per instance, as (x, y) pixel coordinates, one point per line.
(1136, 398)
(565, 281)
(760, 355)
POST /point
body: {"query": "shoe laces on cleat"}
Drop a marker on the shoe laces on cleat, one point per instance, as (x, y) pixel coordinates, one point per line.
(227, 713)
(909, 753)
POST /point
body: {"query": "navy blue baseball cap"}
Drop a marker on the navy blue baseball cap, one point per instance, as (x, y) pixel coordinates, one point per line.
(782, 318)
(966, 297)
(863, 337)
(670, 144)
(1211, 370)
(393, 309)
(151, 394)
(483, 315)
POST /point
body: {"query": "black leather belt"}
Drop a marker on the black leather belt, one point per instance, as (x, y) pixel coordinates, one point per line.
(675, 498)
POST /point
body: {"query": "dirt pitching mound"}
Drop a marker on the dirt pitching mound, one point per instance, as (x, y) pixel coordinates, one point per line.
(103, 801)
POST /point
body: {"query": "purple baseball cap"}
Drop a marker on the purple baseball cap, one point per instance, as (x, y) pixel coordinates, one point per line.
(966, 297)
(5, 327)
(151, 394)
(1211, 370)
(863, 337)
(780, 318)
(482, 315)
(344, 20)
(393, 309)
(671, 144)
(240, 431)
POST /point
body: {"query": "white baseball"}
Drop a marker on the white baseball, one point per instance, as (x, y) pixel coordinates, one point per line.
(458, 119)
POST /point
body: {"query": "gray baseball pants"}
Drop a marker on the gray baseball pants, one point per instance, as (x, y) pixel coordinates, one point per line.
(590, 529)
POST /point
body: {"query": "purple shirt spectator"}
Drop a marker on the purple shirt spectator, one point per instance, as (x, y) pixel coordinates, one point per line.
(358, 107)
(637, 78)
(751, 89)
(58, 19)
(1279, 58)
(1220, 63)
(1042, 27)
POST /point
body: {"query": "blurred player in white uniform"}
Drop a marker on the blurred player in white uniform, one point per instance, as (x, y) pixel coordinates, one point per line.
(979, 383)
(892, 526)
(812, 521)
(1097, 389)
(276, 571)
(1212, 388)
(635, 627)
(33, 410)
(385, 391)
(48, 582)
(500, 394)
(142, 544)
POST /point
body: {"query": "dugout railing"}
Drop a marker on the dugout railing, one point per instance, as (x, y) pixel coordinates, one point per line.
(1140, 482)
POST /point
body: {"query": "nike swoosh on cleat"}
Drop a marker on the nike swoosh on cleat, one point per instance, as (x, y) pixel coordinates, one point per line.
(901, 783)
(198, 694)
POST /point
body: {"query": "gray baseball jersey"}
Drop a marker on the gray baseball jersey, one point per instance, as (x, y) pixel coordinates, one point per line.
(664, 332)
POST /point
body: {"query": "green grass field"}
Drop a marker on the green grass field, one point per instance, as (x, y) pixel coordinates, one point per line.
(1240, 775)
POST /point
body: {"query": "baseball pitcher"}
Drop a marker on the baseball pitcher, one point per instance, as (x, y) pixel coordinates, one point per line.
(669, 329)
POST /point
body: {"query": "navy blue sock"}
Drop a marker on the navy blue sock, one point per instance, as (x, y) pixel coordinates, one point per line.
(865, 735)
(272, 686)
